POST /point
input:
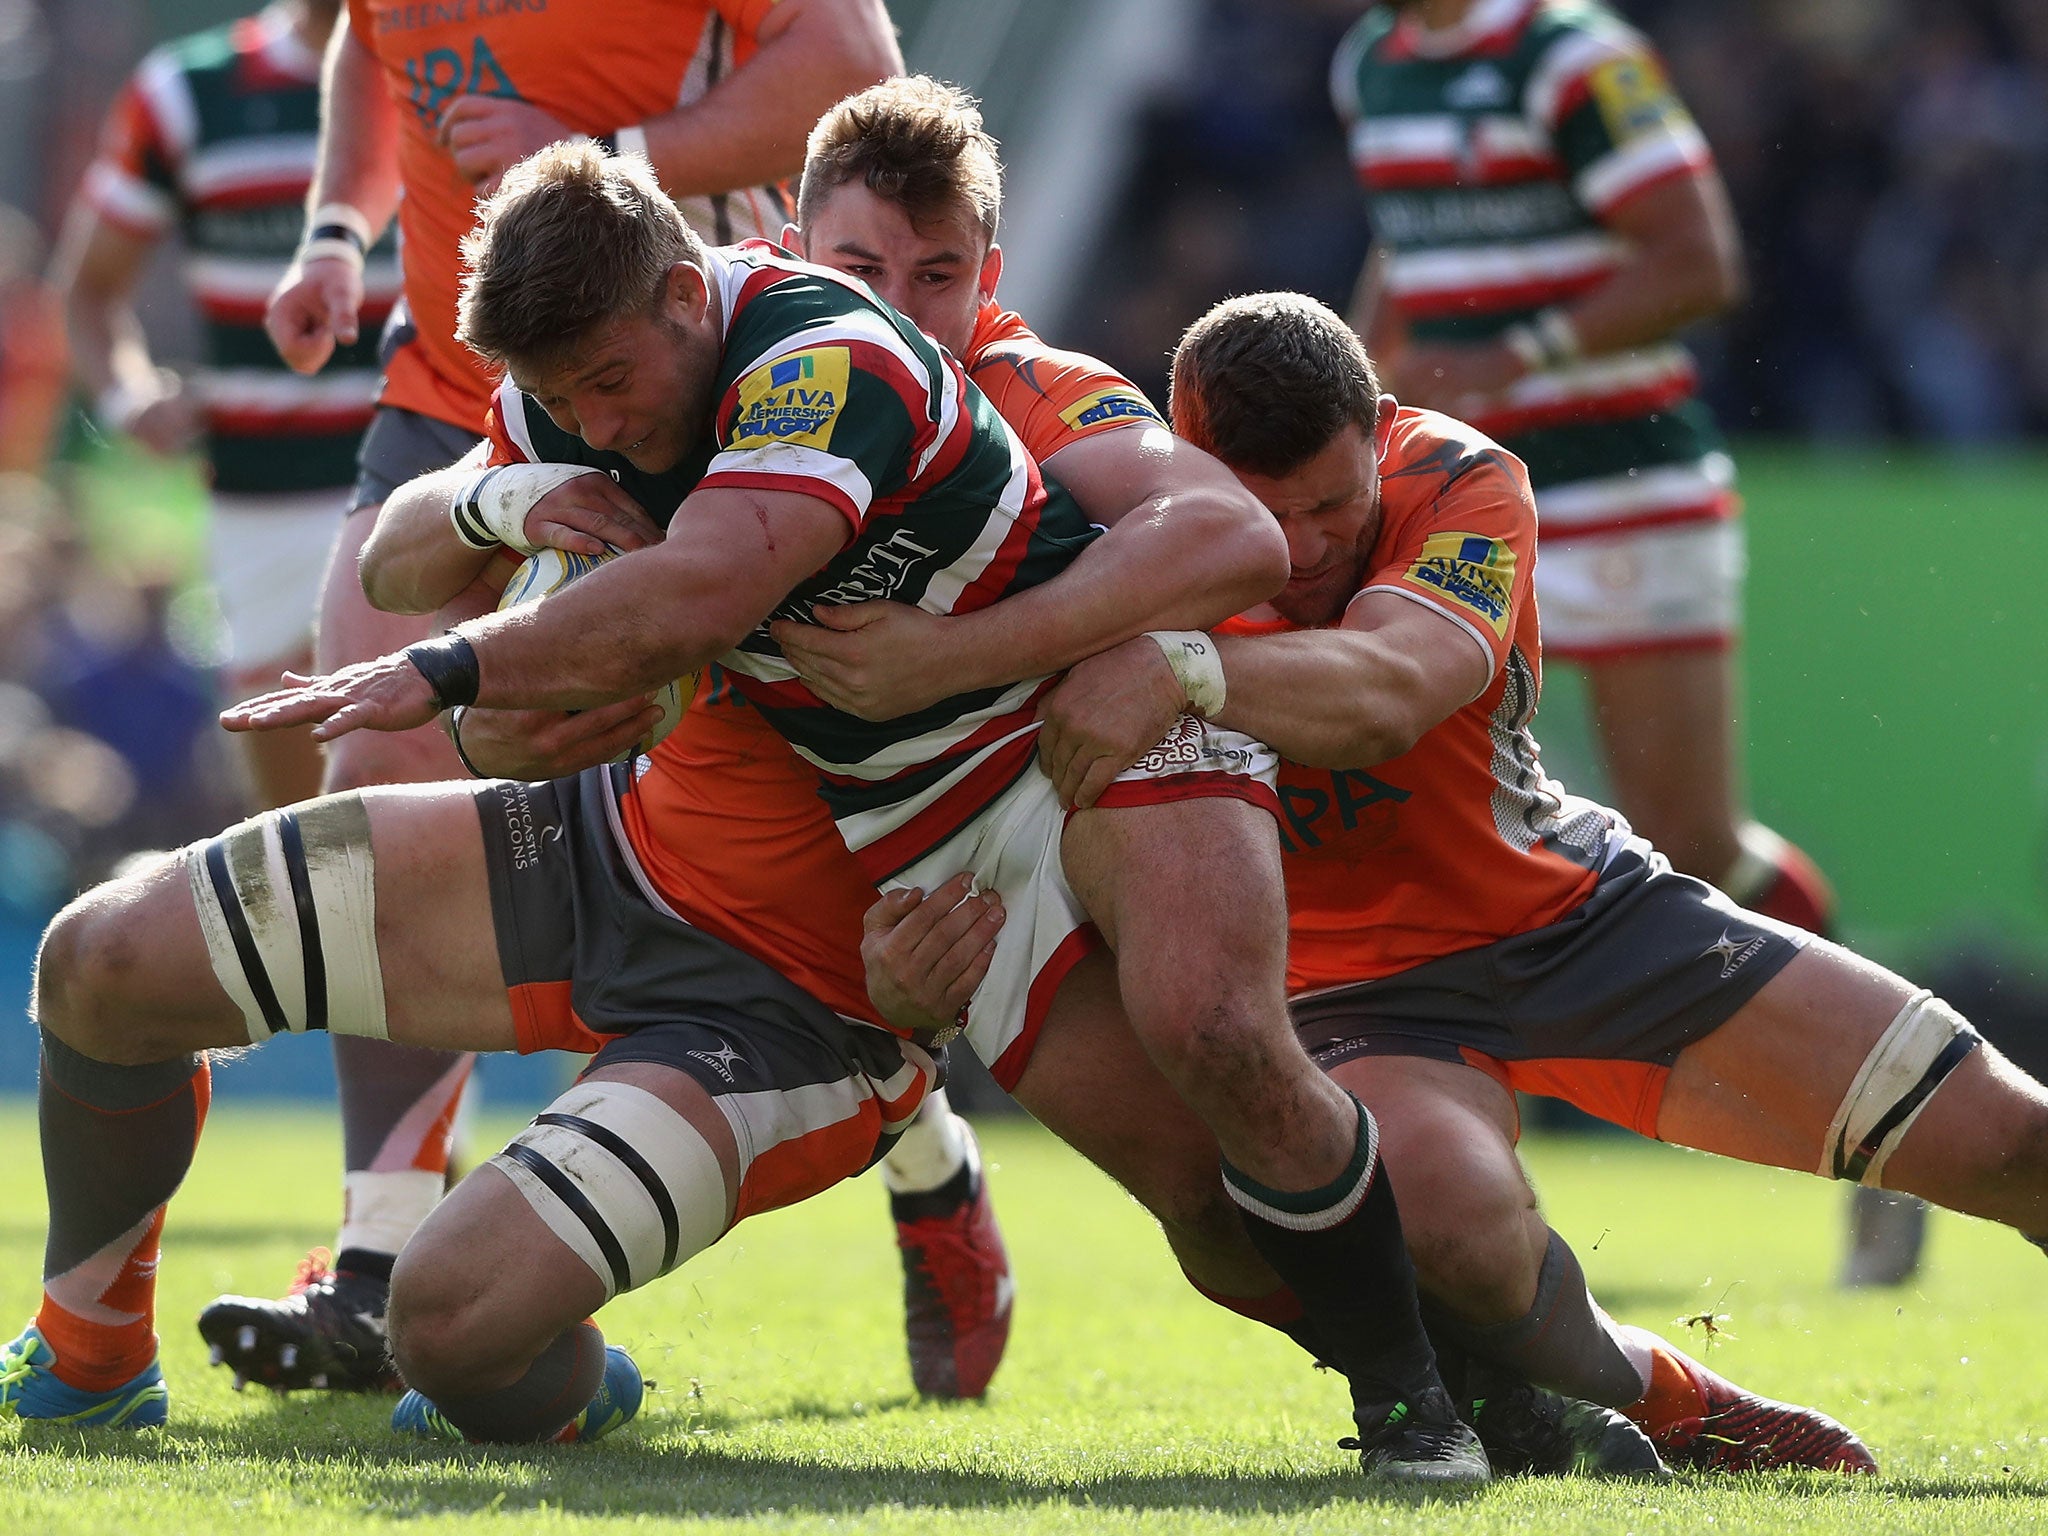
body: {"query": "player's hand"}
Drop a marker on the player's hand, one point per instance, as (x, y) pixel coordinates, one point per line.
(587, 514)
(388, 694)
(1106, 714)
(315, 307)
(488, 135)
(168, 425)
(927, 953)
(1459, 380)
(551, 743)
(876, 661)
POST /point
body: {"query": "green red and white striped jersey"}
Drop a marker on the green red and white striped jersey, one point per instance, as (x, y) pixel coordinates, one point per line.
(827, 392)
(214, 136)
(1491, 154)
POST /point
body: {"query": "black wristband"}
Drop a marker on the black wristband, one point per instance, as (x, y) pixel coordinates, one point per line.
(336, 232)
(449, 666)
(455, 735)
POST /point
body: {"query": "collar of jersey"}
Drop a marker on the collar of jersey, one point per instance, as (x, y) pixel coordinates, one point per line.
(1487, 19)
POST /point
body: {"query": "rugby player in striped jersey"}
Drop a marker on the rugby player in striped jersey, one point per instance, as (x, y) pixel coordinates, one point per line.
(837, 455)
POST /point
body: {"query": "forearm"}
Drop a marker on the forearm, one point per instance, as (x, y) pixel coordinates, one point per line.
(108, 347)
(1183, 562)
(750, 128)
(413, 562)
(620, 632)
(358, 159)
(1326, 698)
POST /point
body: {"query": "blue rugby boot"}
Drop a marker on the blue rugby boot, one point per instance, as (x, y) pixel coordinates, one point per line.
(29, 1389)
(617, 1400)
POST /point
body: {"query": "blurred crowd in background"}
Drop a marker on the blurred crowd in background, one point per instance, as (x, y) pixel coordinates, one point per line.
(1889, 162)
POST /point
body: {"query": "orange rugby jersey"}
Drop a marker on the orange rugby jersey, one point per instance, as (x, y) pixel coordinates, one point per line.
(1463, 839)
(596, 65)
(726, 819)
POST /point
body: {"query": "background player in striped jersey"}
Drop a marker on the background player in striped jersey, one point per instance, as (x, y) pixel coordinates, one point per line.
(436, 101)
(1462, 926)
(1547, 218)
(213, 140)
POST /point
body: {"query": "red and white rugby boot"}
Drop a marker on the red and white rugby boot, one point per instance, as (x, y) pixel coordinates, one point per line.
(1705, 1422)
(957, 1290)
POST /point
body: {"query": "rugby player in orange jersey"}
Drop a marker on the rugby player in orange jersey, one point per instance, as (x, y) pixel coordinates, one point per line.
(1461, 927)
(436, 101)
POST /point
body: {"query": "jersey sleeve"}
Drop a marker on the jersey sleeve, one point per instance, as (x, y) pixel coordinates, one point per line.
(1466, 546)
(1601, 97)
(1052, 398)
(838, 417)
(133, 182)
(507, 436)
(745, 16)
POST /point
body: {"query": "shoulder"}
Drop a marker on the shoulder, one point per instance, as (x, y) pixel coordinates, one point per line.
(1024, 376)
(1566, 42)
(1358, 51)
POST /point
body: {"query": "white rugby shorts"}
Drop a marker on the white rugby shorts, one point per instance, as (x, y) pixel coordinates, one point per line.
(1013, 849)
(1662, 587)
(268, 558)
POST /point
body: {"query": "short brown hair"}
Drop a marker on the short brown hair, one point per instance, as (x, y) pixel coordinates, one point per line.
(1265, 382)
(914, 141)
(572, 239)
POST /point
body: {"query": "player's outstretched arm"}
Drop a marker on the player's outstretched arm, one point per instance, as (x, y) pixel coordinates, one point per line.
(1188, 546)
(623, 630)
(317, 302)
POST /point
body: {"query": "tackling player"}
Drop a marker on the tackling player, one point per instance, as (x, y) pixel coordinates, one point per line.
(436, 101)
(1463, 928)
(213, 138)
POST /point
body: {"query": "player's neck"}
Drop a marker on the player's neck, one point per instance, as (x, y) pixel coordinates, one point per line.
(1439, 15)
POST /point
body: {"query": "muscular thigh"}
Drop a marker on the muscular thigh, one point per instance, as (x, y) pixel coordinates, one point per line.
(350, 630)
(1667, 722)
(1765, 1085)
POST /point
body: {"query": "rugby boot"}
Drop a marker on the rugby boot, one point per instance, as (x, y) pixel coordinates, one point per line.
(617, 1399)
(326, 1332)
(1886, 1233)
(1422, 1445)
(1526, 1429)
(29, 1389)
(957, 1289)
(1720, 1427)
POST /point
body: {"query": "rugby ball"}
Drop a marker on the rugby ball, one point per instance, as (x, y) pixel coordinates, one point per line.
(547, 571)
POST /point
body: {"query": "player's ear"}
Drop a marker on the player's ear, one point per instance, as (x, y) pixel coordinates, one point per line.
(793, 240)
(1383, 425)
(991, 270)
(689, 293)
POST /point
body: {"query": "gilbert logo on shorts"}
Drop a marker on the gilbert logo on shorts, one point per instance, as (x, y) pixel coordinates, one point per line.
(720, 1060)
(1733, 953)
(1473, 571)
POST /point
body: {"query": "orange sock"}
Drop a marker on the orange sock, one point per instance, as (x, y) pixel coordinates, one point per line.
(1674, 1393)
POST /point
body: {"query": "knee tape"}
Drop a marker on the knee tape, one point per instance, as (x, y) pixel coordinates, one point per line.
(630, 1185)
(287, 901)
(1927, 1041)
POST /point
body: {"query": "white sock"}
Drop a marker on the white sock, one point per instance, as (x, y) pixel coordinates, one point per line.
(379, 1211)
(932, 1149)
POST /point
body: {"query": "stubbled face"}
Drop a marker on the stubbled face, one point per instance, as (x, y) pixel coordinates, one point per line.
(1329, 509)
(934, 273)
(641, 386)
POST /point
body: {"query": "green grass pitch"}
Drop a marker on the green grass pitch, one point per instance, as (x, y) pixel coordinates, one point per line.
(1126, 1404)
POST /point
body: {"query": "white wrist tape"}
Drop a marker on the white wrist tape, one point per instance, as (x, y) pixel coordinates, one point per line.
(490, 508)
(330, 250)
(1197, 667)
(348, 217)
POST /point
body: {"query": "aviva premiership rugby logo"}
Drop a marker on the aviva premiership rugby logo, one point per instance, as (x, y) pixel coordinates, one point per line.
(792, 400)
(1110, 405)
(1473, 571)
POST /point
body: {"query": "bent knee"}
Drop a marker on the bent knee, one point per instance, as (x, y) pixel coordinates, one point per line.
(92, 978)
(1476, 1252)
(445, 1337)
